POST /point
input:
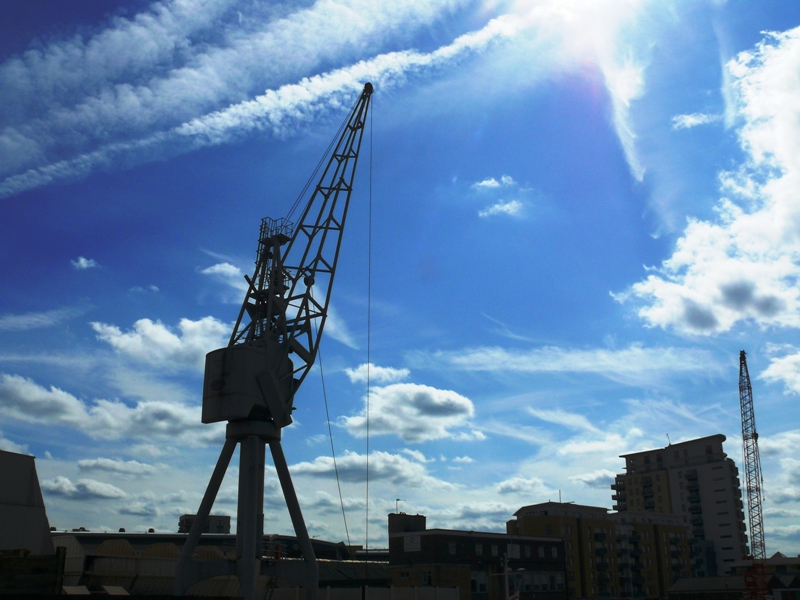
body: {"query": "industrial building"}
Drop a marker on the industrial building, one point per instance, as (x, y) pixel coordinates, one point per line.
(696, 481)
(475, 562)
(632, 554)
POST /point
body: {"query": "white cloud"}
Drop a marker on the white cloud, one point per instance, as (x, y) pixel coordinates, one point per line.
(83, 489)
(492, 183)
(693, 120)
(785, 369)
(417, 455)
(156, 344)
(602, 479)
(413, 412)
(130, 467)
(463, 460)
(511, 208)
(743, 266)
(376, 374)
(25, 400)
(530, 487)
(81, 264)
(352, 467)
(634, 365)
(228, 274)
(9, 446)
(39, 320)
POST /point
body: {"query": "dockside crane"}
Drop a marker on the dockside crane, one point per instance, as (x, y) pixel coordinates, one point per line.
(756, 577)
(251, 383)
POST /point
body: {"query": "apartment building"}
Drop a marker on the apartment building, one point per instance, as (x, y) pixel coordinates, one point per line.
(635, 554)
(696, 481)
(475, 562)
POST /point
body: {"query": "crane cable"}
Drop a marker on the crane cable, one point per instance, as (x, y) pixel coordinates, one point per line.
(330, 435)
(321, 160)
(369, 340)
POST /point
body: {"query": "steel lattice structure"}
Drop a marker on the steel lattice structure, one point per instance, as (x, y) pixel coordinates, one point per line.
(756, 579)
(251, 383)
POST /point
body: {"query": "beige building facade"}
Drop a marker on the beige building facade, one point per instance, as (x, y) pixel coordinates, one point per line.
(697, 482)
(611, 555)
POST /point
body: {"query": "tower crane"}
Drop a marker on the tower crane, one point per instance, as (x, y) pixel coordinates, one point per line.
(251, 383)
(756, 578)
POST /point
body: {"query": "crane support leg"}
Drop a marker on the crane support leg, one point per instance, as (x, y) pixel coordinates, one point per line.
(250, 517)
(312, 569)
(202, 514)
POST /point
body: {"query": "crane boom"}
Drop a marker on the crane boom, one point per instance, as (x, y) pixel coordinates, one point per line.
(254, 376)
(756, 579)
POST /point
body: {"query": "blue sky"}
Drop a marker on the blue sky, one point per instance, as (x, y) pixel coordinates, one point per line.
(581, 212)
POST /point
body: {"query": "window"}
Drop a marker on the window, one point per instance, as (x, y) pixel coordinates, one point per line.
(548, 529)
(478, 549)
(451, 548)
(554, 551)
(427, 580)
(494, 549)
(527, 582)
(677, 454)
(478, 582)
(566, 529)
(527, 551)
(569, 561)
(541, 551)
(568, 545)
(403, 574)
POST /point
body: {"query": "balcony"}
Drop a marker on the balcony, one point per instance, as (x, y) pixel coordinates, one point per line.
(676, 553)
(635, 537)
(600, 551)
(622, 552)
(695, 509)
(674, 540)
(620, 496)
(697, 520)
(694, 498)
(622, 538)
(599, 536)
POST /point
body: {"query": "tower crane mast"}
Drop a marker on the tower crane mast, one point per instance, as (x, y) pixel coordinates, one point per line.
(756, 578)
(251, 383)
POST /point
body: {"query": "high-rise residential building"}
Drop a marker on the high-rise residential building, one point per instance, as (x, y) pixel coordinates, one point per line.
(632, 554)
(696, 481)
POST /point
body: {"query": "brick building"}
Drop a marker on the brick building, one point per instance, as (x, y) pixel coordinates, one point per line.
(474, 561)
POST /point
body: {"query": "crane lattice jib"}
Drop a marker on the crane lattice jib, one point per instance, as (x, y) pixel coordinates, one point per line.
(756, 579)
(288, 296)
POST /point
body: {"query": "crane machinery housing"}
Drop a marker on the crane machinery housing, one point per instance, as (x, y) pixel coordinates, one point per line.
(251, 383)
(756, 578)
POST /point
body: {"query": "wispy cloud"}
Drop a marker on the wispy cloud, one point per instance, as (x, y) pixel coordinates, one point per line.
(180, 111)
(694, 119)
(633, 365)
(40, 320)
